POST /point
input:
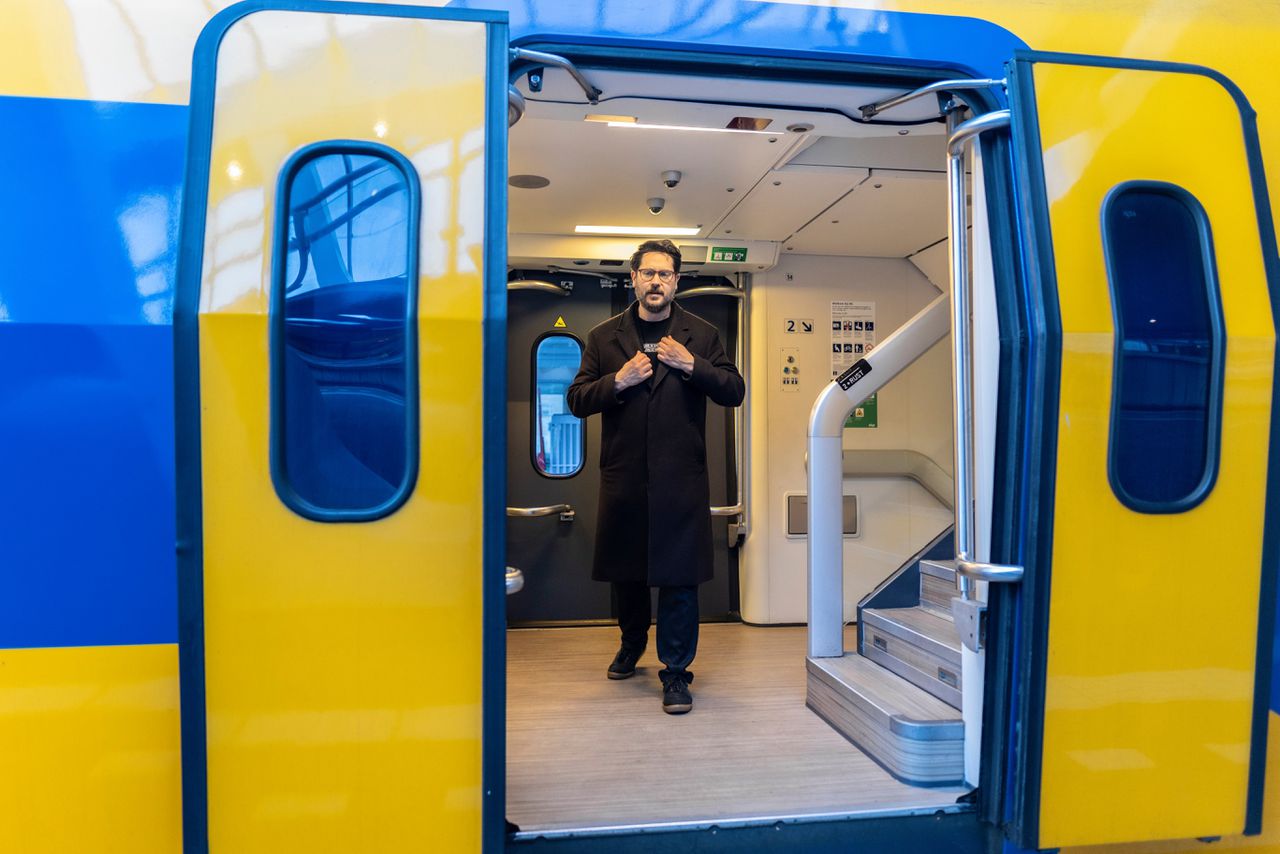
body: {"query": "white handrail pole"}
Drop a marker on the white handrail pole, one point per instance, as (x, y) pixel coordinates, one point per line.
(826, 473)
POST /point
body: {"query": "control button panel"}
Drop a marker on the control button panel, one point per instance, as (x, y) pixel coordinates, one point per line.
(789, 369)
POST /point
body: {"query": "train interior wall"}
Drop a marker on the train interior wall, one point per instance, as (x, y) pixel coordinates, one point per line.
(897, 515)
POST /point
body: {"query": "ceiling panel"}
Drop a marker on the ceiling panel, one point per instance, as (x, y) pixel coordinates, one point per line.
(603, 175)
(908, 151)
(886, 216)
(785, 199)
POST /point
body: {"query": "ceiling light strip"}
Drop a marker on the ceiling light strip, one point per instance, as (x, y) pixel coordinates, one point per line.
(627, 230)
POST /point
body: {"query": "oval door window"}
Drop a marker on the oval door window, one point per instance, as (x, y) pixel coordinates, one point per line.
(557, 441)
(345, 402)
(1166, 388)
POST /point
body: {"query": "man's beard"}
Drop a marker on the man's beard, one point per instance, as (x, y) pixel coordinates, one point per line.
(649, 306)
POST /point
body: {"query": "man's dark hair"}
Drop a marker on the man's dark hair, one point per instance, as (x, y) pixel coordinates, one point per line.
(664, 246)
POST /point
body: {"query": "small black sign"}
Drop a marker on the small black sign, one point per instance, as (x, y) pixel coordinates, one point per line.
(856, 371)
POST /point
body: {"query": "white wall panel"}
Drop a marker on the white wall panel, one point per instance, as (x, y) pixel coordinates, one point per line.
(935, 262)
(898, 516)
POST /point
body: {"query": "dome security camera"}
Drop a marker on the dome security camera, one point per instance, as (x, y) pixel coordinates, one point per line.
(671, 178)
(656, 205)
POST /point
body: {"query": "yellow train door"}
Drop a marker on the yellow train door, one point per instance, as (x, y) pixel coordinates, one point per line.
(1148, 602)
(339, 373)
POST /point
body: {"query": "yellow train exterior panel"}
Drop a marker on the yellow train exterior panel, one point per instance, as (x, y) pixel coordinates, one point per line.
(344, 659)
(89, 737)
(1267, 842)
(1153, 618)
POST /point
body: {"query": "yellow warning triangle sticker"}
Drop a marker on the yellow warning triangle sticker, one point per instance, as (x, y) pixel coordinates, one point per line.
(560, 324)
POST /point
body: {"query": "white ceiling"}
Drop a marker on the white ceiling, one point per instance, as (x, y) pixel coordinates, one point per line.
(888, 215)
(604, 175)
(785, 199)
(813, 191)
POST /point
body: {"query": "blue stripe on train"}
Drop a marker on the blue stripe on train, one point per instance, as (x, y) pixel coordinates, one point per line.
(89, 241)
(726, 26)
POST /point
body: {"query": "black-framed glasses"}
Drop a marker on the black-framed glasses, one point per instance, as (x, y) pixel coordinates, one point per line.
(649, 274)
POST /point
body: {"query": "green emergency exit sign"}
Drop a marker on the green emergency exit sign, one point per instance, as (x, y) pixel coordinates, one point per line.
(731, 254)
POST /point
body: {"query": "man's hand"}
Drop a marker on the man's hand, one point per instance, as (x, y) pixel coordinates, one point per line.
(674, 354)
(636, 370)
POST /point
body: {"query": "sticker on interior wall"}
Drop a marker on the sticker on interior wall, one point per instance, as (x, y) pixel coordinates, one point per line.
(855, 372)
(863, 415)
(560, 324)
(853, 333)
(731, 254)
(797, 326)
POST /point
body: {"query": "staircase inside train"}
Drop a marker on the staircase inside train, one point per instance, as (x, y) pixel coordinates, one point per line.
(841, 665)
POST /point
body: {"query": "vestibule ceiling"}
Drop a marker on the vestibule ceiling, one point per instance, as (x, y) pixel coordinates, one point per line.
(836, 187)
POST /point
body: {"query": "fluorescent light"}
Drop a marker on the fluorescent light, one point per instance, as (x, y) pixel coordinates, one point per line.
(635, 229)
(602, 117)
(687, 127)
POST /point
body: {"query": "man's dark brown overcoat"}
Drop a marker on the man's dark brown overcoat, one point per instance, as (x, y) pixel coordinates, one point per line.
(654, 514)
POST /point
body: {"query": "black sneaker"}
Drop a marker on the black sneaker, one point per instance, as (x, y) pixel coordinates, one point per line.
(624, 664)
(676, 699)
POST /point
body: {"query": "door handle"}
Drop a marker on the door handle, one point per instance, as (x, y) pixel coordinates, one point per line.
(566, 511)
(515, 580)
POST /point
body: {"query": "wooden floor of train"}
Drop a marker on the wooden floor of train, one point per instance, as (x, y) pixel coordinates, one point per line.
(584, 751)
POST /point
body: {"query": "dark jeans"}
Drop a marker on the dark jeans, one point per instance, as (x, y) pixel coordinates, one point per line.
(677, 625)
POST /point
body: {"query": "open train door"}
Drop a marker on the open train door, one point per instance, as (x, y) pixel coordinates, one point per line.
(1147, 605)
(339, 419)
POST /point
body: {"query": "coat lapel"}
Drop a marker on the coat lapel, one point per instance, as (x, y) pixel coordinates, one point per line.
(680, 332)
(627, 333)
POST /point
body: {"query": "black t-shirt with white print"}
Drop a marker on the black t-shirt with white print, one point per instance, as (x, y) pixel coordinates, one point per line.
(651, 332)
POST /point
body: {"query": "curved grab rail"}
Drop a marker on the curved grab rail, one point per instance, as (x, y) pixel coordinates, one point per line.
(826, 467)
(964, 132)
(711, 291)
(537, 285)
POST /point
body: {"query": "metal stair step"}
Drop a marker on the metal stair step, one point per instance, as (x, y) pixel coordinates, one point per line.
(913, 735)
(938, 586)
(916, 644)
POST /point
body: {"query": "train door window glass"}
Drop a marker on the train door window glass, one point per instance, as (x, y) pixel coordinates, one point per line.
(344, 377)
(557, 442)
(1166, 387)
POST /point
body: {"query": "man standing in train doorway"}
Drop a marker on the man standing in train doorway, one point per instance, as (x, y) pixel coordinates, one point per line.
(649, 372)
